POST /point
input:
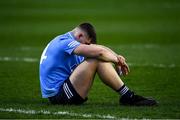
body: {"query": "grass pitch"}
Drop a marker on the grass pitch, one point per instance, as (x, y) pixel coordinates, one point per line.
(147, 33)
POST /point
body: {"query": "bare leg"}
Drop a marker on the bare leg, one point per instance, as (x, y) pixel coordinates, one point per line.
(109, 76)
(83, 76)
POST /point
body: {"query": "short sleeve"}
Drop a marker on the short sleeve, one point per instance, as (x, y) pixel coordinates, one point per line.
(70, 46)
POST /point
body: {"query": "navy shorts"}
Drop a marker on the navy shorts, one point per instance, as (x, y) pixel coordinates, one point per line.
(67, 95)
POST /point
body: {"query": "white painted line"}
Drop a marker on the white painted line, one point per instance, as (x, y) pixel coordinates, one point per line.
(152, 65)
(130, 46)
(23, 59)
(31, 60)
(136, 46)
(46, 112)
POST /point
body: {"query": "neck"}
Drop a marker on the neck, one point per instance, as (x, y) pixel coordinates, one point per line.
(75, 32)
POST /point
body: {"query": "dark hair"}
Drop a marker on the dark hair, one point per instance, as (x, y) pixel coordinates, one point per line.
(89, 29)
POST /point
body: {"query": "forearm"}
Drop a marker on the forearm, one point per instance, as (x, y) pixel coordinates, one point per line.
(119, 60)
(96, 51)
(108, 49)
(108, 56)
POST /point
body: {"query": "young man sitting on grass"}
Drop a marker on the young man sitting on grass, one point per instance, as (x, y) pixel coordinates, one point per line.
(69, 63)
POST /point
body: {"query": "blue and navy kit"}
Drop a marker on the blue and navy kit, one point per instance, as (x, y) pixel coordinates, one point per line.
(57, 63)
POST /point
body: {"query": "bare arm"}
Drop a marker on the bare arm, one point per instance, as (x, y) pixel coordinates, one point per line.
(122, 66)
(108, 49)
(96, 51)
(103, 53)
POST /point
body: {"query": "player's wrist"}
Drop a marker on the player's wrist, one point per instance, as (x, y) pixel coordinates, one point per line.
(116, 62)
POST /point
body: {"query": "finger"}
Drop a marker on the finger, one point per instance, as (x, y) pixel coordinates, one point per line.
(125, 64)
(121, 61)
(127, 71)
(127, 67)
(124, 70)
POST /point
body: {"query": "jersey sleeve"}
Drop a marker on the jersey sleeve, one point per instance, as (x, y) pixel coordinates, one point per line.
(71, 45)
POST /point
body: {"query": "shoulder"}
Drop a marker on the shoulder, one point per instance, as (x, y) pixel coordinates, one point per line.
(66, 36)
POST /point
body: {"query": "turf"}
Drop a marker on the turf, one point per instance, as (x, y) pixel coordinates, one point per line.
(146, 32)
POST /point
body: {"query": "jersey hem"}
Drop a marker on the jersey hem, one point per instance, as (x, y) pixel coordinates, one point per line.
(47, 96)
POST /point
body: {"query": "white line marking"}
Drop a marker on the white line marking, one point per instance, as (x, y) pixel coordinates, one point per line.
(23, 59)
(46, 112)
(29, 59)
(128, 46)
(137, 46)
(152, 65)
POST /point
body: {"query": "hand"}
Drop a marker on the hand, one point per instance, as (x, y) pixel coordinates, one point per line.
(122, 65)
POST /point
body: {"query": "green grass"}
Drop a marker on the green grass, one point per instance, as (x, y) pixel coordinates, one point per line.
(147, 33)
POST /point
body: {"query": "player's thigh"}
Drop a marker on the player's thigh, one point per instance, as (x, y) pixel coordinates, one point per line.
(85, 70)
(82, 77)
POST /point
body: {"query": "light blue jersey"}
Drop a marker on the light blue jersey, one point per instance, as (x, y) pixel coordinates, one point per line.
(57, 63)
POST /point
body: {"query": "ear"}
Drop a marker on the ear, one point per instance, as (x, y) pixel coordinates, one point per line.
(80, 35)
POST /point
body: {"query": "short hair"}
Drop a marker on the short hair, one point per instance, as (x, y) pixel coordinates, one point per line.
(89, 29)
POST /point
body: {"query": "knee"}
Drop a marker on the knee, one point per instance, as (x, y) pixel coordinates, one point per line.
(96, 61)
(92, 61)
